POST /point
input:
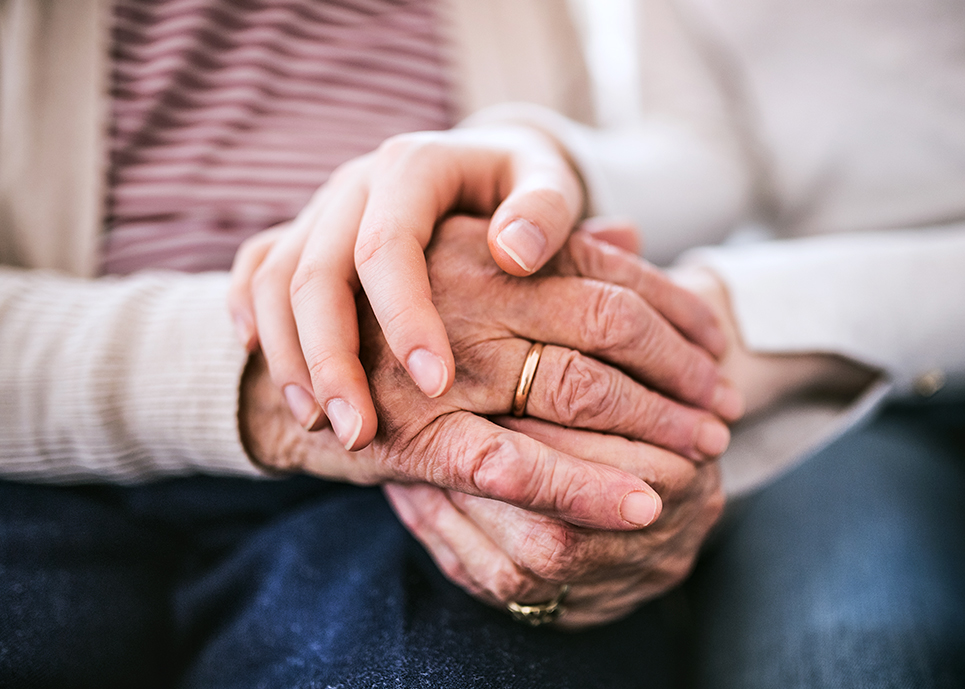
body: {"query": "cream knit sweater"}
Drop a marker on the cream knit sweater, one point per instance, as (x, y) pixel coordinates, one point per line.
(839, 128)
(134, 378)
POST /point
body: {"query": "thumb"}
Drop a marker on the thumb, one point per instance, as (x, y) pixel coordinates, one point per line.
(537, 217)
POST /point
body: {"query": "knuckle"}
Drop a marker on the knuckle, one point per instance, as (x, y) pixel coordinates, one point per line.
(665, 423)
(498, 471)
(397, 323)
(715, 506)
(677, 572)
(647, 331)
(249, 246)
(591, 258)
(321, 363)
(267, 276)
(370, 245)
(508, 583)
(453, 569)
(673, 563)
(583, 391)
(534, 480)
(716, 499)
(696, 377)
(380, 246)
(549, 550)
(238, 295)
(393, 148)
(611, 319)
(404, 147)
(305, 279)
(501, 470)
(348, 170)
(416, 520)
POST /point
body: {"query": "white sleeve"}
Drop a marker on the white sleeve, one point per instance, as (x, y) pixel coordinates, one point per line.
(121, 379)
(682, 188)
(892, 300)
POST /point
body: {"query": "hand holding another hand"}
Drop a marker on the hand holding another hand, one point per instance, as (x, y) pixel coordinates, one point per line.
(492, 319)
(501, 553)
(367, 228)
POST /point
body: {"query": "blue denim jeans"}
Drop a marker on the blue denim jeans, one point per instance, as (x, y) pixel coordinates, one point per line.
(847, 572)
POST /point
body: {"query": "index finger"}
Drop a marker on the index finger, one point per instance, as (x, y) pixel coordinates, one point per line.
(405, 201)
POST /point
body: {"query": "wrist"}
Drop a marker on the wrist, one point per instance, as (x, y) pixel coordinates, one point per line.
(766, 379)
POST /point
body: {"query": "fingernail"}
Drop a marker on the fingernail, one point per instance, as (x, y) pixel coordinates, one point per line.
(304, 407)
(712, 438)
(524, 242)
(245, 332)
(428, 371)
(345, 420)
(728, 402)
(639, 508)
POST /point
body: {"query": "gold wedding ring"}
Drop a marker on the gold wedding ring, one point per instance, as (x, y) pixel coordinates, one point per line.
(539, 613)
(526, 379)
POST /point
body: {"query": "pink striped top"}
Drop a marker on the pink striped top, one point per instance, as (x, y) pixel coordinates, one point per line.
(228, 114)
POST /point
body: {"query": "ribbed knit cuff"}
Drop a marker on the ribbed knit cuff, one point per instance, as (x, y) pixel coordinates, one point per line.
(118, 379)
(185, 384)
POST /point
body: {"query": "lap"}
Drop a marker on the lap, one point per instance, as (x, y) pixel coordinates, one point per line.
(847, 572)
(338, 594)
(211, 583)
(82, 592)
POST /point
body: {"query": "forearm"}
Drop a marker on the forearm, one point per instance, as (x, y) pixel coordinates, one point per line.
(117, 379)
(891, 301)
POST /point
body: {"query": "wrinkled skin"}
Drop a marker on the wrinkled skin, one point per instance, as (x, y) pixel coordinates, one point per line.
(501, 553)
(569, 483)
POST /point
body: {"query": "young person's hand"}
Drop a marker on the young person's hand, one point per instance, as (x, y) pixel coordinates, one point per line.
(601, 339)
(294, 292)
(368, 228)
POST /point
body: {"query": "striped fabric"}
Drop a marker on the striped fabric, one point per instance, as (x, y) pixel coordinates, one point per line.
(228, 114)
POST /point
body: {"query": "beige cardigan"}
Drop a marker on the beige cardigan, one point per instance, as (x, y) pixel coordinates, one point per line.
(54, 67)
(858, 145)
(127, 379)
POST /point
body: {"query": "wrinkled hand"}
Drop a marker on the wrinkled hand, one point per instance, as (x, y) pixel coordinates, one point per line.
(501, 553)
(492, 317)
(367, 228)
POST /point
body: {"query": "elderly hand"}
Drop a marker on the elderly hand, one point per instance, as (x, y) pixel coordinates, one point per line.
(500, 553)
(492, 319)
(368, 228)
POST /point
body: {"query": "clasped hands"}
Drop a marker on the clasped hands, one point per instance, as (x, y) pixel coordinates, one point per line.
(607, 485)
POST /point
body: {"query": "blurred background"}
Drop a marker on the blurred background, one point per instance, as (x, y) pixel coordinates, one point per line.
(607, 28)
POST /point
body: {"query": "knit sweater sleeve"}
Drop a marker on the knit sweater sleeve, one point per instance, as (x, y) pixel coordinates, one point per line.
(681, 185)
(123, 379)
(893, 300)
